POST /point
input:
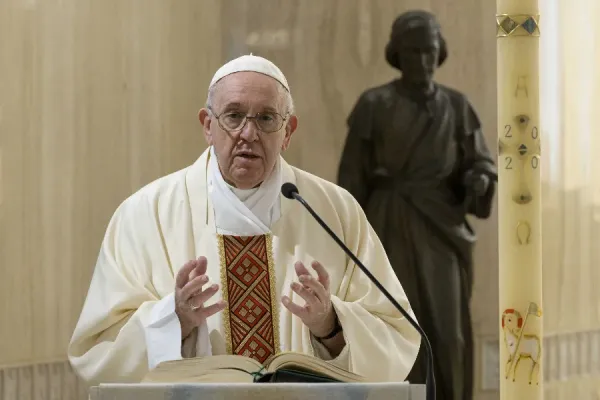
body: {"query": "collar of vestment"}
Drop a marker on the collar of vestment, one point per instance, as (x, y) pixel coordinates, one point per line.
(203, 210)
(249, 212)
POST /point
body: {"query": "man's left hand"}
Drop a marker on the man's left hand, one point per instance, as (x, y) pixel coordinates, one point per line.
(317, 313)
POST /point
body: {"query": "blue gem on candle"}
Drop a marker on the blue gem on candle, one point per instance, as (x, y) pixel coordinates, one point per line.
(529, 25)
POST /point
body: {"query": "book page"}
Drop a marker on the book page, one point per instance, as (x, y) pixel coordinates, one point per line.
(312, 364)
(222, 368)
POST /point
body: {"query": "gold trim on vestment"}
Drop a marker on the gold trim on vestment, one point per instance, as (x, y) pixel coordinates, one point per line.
(273, 288)
(225, 291)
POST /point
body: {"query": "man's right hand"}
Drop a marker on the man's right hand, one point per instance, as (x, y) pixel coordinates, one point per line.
(190, 296)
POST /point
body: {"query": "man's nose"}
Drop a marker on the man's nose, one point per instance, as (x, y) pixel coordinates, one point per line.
(250, 131)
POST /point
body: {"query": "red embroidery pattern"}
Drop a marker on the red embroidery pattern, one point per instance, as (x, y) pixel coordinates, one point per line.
(249, 284)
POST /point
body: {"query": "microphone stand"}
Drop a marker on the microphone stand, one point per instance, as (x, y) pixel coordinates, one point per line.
(430, 380)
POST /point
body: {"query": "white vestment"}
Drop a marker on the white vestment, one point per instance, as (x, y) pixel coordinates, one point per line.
(128, 323)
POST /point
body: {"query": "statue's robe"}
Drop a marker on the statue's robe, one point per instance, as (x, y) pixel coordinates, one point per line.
(128, 323)
(404, 160)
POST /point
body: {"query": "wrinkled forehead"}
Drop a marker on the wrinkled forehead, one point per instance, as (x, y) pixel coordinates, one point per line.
(248, 90)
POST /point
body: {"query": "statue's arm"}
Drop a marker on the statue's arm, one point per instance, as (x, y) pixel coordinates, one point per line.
(356, 159)
(479, 174)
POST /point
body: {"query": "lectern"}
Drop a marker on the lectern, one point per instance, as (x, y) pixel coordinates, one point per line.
(266, 391)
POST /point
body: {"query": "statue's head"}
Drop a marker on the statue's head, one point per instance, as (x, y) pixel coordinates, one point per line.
(416, 46)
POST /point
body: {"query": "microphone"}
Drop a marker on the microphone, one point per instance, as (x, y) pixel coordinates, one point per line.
(290, 191)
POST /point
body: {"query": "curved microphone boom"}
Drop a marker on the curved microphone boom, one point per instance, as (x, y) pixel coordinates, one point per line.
(290, 191)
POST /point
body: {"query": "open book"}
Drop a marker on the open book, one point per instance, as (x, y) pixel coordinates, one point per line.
(283, 367)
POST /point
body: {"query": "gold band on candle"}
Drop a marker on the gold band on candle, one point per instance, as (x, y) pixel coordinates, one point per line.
(517, 25)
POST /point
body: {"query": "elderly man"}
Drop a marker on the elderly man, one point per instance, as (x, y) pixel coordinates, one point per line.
(213, 260)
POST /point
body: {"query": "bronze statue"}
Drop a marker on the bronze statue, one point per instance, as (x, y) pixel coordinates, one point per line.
(416, 160)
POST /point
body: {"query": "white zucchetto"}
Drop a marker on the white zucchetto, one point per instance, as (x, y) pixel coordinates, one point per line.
(251, 63)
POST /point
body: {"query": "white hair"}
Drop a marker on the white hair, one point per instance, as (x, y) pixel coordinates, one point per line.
(289, 101)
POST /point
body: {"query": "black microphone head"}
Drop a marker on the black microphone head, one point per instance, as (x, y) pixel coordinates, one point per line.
(288, 189)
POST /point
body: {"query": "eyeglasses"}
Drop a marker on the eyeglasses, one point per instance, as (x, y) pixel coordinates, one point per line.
(234, 121)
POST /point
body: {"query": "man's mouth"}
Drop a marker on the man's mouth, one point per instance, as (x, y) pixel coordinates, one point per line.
(247, 155)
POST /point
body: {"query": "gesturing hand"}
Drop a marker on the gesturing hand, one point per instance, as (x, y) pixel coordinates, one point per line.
(317, 313)
(190, 297)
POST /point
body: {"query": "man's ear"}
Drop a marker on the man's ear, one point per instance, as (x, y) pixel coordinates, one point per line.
(290, 128)
(205, 121)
